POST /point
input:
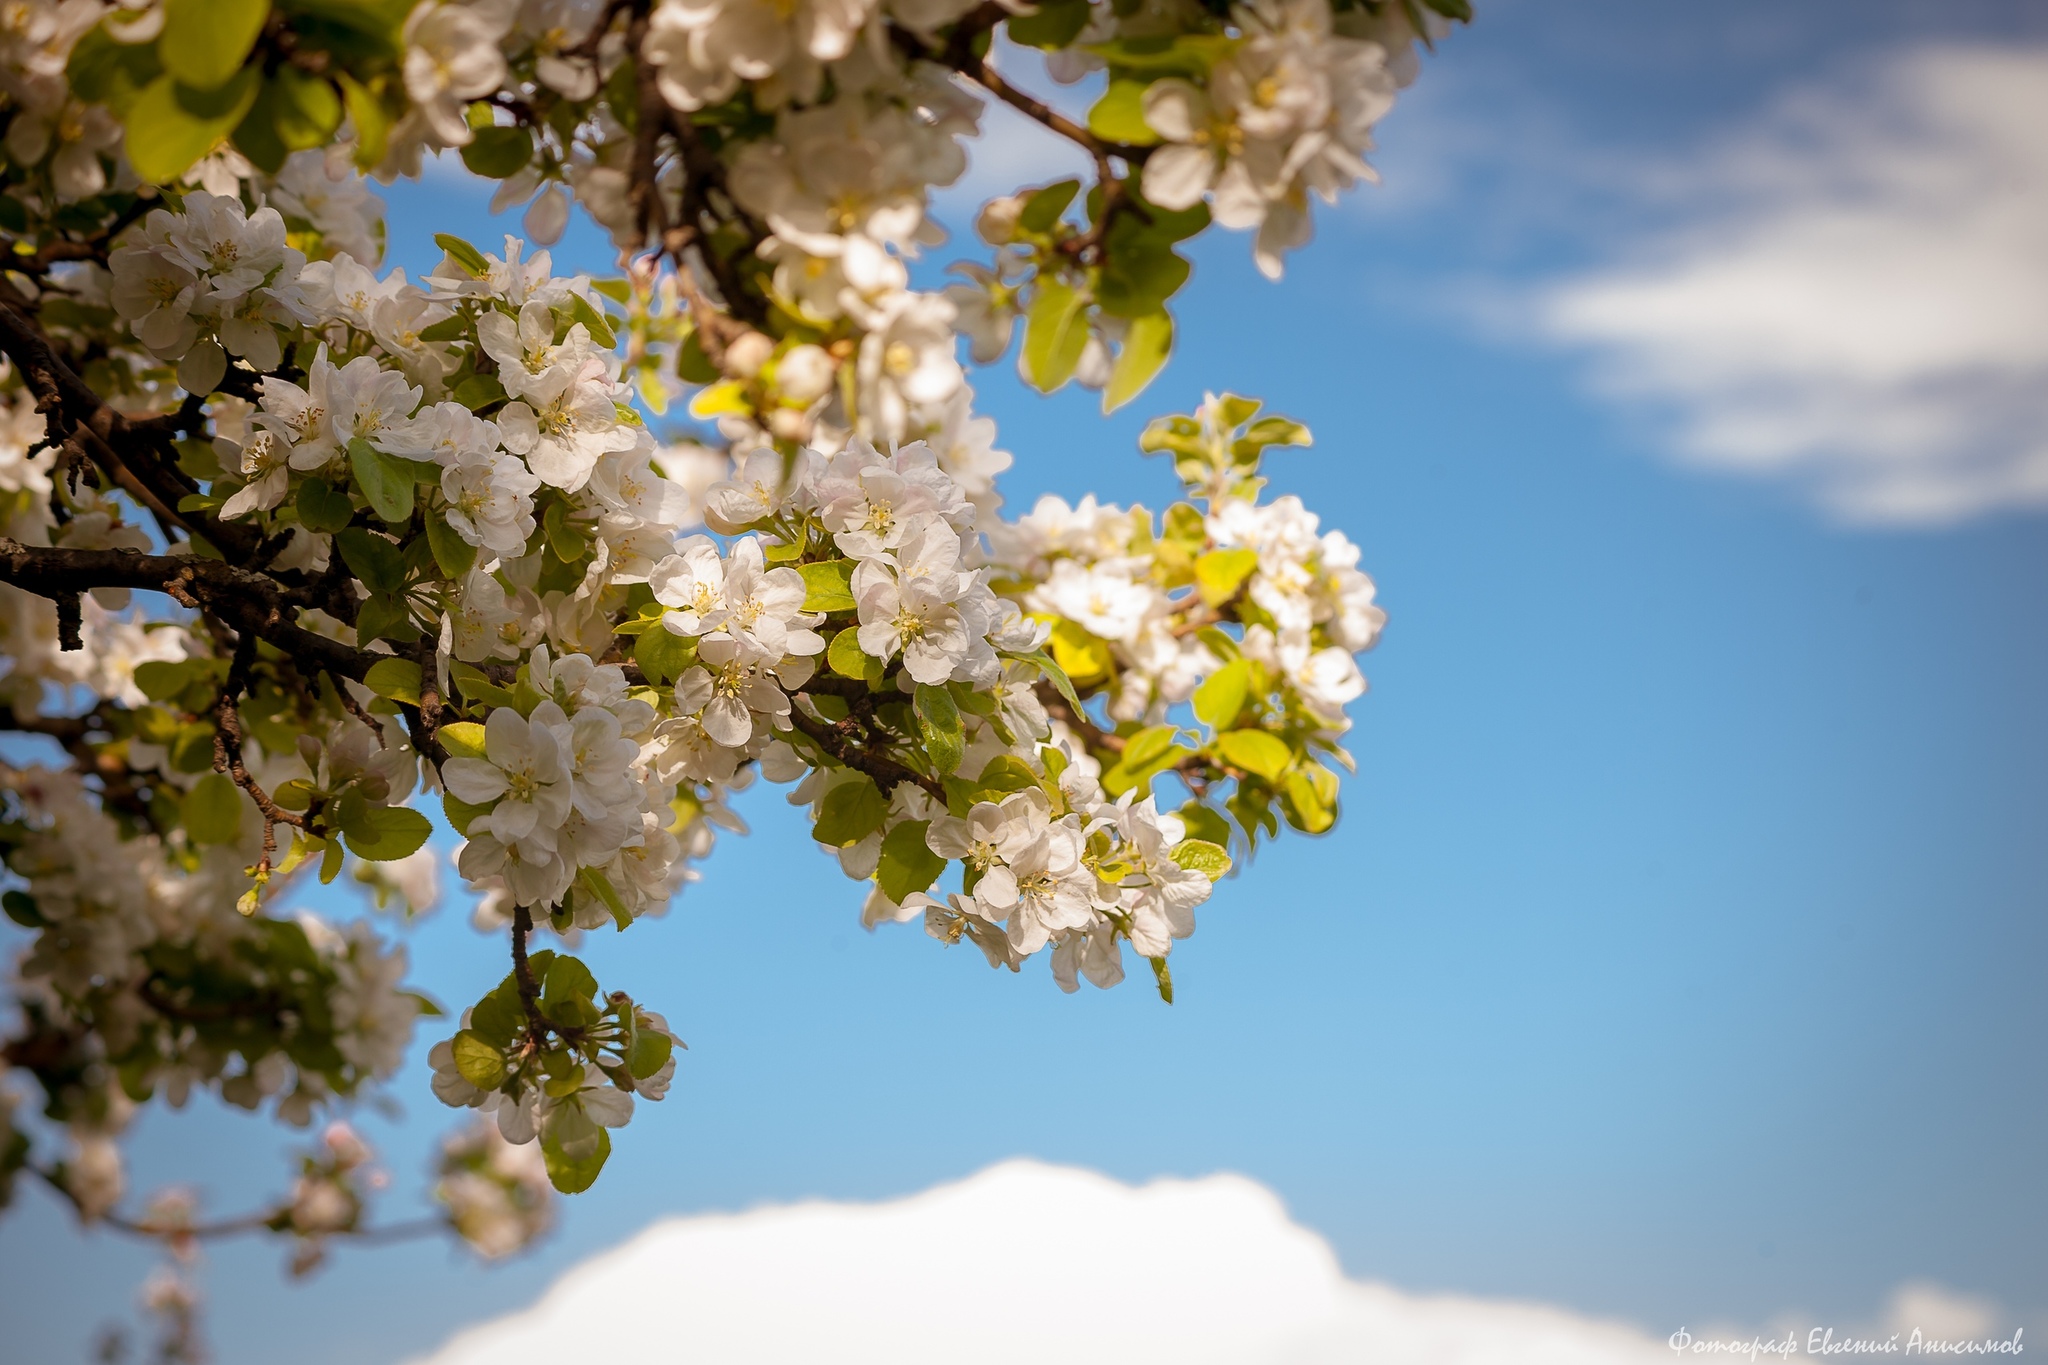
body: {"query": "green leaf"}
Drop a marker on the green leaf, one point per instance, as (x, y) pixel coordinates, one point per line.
(459, 813)
(600, 886)
(1220, 573)
(1256, 752)
(1044, 206)
(844, 655)
(480, 1063)
(477, 686)
(162, 679)
(479, 391)
(828, 586)
(384, 481)
(1148, 341)
(650, 1052)
(1148, 744)
(1203, 823)
(663, 655)
(499, 1016)
(1310, 798)
(498, 153)
(574, 1175)
(23, 910)
(1053, 24)
(398, 679)
(1189, 54)
(453, 555)
(908, 864)
(323, 507)
(567, 979)
(465, 255)
(1119, 116)
(382, 616)
(330, 860)
(386, 833)
(693, 366)
(1272, 431)
(169, 126)
(1222, 694)
(204, 42)
(305, 109)
(212, 810)
(938, 723)
(850, 812)
(1199, 855)
(1142, 271)
(104, 70)
(372, 123)
(462, 739)
(1054, 674)
(372, 558)
(594, 321)
(1163, 976)
(1055, 334)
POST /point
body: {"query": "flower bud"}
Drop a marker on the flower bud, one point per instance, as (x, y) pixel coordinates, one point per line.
(997, 221)
(745, 356)
(805, 374)
(788, 424)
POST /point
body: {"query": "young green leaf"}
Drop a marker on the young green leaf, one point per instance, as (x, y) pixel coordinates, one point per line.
(1221, 695)
(212, 810)
(480, 1063)
(575, 1174)
(322, 507)
(204, 42)
(384, 481)
(1119, 116)
(1199, 855)
(1256, 752)
(463, 254)
(170, 126)
(850, 812)
(453, 555)
(938, 724)
(386, 833)
(828, 586)
(398, 679)
(1220, 573)
(663, 655)
(907, 863)
(1148, 341)
(1055, 334)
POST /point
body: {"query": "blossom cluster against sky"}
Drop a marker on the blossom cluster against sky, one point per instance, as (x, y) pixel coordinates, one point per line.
(1678, 957)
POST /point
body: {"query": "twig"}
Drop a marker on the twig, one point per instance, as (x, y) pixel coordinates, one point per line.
(886, 772)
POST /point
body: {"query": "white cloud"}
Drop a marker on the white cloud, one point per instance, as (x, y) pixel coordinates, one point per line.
(1861, 301)
(1023, 1262)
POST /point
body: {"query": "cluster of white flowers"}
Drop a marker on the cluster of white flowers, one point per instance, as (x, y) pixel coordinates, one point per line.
(207, 282)
(1031, 883)
(496, 1192)
(565, 788)
(36, 38)
(105, 922)
(574, 1108)
(1288, 113)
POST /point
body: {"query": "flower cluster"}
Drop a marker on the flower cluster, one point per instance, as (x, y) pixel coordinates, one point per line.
(422, 545)
(1288, 112)
(496, 1192)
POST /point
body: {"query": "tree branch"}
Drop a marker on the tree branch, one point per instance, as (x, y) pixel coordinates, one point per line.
(249, 602)
(886, 772)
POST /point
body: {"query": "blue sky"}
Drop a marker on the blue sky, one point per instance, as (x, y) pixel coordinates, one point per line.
(1678, 954)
